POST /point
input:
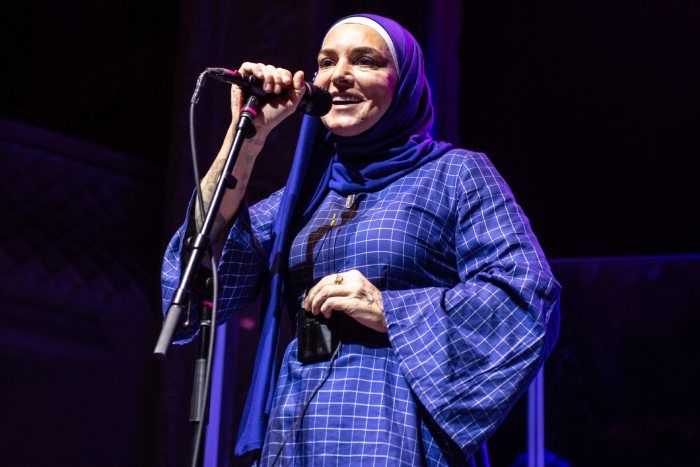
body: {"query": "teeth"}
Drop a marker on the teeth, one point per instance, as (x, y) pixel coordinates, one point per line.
(346, 100)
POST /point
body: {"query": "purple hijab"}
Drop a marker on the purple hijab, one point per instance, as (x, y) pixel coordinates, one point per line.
(400, 141)
(396, 145)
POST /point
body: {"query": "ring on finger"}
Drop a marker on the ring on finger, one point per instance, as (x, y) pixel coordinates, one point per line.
(338, 279)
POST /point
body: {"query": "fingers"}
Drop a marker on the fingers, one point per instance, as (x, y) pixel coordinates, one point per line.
(344, 284)
(274, 80)
(285, 91)
(298, 80)
(250, 68)
(333, 304)
(325, 293)
(283, 80)
(311, 294)
(351, 293)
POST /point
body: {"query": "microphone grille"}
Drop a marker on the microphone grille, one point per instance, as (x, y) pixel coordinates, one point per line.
(316, 102)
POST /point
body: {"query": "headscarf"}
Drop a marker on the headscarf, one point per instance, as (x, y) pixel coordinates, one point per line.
(396, 145)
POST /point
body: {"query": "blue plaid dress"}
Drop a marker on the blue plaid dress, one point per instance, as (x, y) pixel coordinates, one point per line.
(469, 300)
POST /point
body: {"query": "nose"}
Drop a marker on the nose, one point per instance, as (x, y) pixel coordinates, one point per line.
(342, 74)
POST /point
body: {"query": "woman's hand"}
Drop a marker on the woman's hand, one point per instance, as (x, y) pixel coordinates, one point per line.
(351, 293)
(286, 90)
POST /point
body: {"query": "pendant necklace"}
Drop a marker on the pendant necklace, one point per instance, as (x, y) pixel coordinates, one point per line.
(349, 201)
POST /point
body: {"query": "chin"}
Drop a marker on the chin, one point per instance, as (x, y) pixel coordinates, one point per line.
(344, 128)
(345, 132)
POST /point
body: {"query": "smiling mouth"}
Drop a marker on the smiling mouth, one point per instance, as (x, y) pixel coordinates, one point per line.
(346, 100)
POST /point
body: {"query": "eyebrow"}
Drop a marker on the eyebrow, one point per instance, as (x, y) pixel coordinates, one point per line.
(357, 50)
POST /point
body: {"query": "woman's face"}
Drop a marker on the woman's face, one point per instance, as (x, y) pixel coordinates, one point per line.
(356, 67)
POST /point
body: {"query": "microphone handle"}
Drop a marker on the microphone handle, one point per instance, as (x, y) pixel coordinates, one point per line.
(316, 101)
(248, 82)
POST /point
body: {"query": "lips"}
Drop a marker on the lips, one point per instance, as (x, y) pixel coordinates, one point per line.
(346, 99)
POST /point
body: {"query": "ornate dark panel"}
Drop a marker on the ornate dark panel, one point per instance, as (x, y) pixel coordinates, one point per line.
(79, 285)
(75, 222)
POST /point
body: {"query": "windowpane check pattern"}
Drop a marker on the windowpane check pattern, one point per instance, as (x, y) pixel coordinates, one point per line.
(469, 300)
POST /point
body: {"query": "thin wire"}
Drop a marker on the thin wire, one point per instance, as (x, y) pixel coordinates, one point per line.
(330, 363)
(215, 282)
(195, 163)
(335, 240)
(193, 149)
(318, 252)
(308, 402)
(323, 240)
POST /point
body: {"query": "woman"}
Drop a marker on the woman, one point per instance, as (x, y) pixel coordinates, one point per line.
(414, 255)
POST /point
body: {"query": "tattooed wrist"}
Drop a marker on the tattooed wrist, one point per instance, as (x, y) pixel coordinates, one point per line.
(259, 139)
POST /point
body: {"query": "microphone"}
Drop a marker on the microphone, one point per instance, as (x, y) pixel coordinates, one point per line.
(316, 101)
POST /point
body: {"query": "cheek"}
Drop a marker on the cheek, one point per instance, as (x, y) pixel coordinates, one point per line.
(322, 79)
(382, 94)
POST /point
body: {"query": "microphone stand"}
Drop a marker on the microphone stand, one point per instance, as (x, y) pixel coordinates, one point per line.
(200, 244)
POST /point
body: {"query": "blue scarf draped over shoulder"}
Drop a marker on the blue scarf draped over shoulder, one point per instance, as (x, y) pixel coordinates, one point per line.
(396, 145)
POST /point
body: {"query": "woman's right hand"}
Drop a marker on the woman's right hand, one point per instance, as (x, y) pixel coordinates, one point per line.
(286, 90)
(285, 93)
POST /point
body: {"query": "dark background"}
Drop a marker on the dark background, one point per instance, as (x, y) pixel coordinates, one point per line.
(588, 108)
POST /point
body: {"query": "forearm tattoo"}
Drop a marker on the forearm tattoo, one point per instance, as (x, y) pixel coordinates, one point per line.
(208, 188)
(257, 140)
(211, 180)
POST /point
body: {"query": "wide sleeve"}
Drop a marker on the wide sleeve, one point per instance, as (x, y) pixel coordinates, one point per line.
(243, 260)
(469, 352)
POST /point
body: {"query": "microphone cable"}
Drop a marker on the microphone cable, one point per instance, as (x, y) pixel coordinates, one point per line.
(204, 409)
(334, 356)
(300, 417)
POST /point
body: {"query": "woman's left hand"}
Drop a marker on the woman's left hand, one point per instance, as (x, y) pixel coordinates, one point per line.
(351, 293)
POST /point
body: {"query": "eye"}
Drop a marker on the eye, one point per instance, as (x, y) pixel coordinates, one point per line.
(325, 62)
(366, 61)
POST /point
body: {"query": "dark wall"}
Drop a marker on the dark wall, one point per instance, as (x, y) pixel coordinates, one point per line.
(590, 110)
(97, 71)
(621, 385)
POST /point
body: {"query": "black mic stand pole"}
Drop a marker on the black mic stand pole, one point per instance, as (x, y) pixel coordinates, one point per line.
(200, 396)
